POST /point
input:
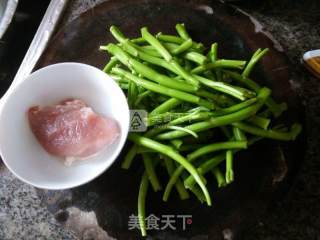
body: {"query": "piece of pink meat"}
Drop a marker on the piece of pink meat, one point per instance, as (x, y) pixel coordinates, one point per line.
(72, 129)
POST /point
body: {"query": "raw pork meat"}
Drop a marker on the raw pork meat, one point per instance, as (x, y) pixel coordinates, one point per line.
(71, 129)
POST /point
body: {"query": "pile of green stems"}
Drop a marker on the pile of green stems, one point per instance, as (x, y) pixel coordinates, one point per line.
(202, 110)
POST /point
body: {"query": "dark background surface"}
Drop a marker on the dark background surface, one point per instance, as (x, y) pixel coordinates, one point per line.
(294, 23)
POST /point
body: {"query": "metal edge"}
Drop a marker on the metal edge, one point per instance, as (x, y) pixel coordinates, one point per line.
(7, 16)
(38, 44)
(40, 40)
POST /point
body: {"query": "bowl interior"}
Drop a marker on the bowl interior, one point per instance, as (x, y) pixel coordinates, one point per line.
(20, 150)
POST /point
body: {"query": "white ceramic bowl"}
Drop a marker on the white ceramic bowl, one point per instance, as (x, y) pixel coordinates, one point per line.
(19, 148)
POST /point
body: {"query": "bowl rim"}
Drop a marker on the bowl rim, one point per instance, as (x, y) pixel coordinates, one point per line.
(121, 144)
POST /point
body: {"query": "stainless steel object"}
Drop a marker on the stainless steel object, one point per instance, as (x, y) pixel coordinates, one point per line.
(38, 43)
(7, 10)
(40, 39)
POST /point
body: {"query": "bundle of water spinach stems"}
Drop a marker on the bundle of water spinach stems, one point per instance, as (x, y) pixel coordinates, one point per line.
(202, 110)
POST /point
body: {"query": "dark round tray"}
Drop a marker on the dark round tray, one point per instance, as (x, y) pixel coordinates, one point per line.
(263, 174)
